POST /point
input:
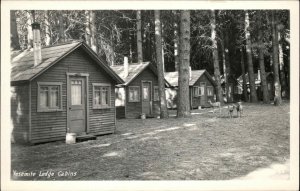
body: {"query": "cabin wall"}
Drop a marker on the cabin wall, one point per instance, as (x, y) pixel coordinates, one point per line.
(134, 109)
(203, 100)
(50, 126)
(20, 113)
(120, 102)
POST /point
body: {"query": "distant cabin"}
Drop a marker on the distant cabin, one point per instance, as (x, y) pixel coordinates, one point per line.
(270, 84)
(71, 90)
(139, 94)
(234, 89)
(201, 89)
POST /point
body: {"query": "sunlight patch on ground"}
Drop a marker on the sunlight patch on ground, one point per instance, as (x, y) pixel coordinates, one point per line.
(132, 137)
(148, 138)
(101, 145)
(274, 172)
(196, 113)
(126, 134)
(112, 154)
(168, 129)
(189, 124)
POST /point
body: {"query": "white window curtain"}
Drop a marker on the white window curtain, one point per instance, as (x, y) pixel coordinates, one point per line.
(76, 93)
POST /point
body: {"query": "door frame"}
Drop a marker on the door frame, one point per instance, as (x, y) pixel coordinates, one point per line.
(86, 98)
(147, 81)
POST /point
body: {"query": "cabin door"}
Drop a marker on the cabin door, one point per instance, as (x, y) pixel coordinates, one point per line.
(77, 105)
(146, 98)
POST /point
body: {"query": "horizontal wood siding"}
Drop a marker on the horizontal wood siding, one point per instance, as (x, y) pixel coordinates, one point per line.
(50, 126)
(203, 100)
(120, 110)
(134, 109)
(20, 113)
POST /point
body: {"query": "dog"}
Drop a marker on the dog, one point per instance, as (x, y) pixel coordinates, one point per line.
(239, 109)
(215, 105)
(231, 108)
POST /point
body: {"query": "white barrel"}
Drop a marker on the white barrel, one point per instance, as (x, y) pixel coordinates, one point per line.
(71, 138)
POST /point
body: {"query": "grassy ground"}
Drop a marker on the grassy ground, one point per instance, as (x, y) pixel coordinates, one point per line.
(205, 146)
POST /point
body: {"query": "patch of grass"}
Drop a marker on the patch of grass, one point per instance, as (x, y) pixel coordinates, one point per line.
(206, 146)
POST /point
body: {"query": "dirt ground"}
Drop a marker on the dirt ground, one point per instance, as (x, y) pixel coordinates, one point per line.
(205, 146)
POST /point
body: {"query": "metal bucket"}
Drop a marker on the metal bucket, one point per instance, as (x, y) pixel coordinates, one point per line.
(71, 138)
(143, 116)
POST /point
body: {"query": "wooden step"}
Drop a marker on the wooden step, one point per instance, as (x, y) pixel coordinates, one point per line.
(81, 138)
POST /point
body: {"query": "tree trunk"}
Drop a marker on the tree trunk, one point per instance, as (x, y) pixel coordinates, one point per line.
(29, 31)
(112, 55)
(284, 91)
(253, 93)
(243, 76)
(139, 36)
(14, 38)
(162, 49)
(264, 85)
(176, 41)
(87, 28)
(277, 99)
(61, 27)
(227, 65)
(160, 71)
(93, 31)
(216, 57)
(183, 105)
(48, 39)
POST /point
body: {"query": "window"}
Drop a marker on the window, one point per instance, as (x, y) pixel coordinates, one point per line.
(49, 96)
(101, 95)
(202, 89)
(210, 91)
(156, 93)
(236, 90)
(134, 93)
(76, 92)
(196, 90)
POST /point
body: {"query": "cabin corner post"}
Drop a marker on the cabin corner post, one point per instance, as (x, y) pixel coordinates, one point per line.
(87, 104)
(68, 102)
(29, 113)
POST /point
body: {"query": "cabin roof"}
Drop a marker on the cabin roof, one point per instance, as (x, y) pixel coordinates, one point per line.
(23, 68)
(172, 77)
(134, 70)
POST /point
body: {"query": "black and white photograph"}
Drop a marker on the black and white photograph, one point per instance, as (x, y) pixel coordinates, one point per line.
(159, 94)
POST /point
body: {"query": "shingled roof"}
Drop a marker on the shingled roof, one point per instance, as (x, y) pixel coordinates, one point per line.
(172, 77)
(23, 68)
(133, 71)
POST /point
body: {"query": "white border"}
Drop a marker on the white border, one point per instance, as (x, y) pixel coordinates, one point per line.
(292, 184)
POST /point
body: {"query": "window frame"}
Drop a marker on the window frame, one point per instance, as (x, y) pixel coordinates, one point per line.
(155, 88)
(59, 101)
(212, 90)
(138, 91)
(99, 106)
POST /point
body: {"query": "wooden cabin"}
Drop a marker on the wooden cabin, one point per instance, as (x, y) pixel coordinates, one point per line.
(234, 90)
(139, 94)
(270, 84)
(61, 89)
(201, 89)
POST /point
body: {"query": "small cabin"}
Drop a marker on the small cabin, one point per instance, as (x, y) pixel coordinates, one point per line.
(234, 90)
(139, 94)
(259, 91)
(201, 89)
(61, 89)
